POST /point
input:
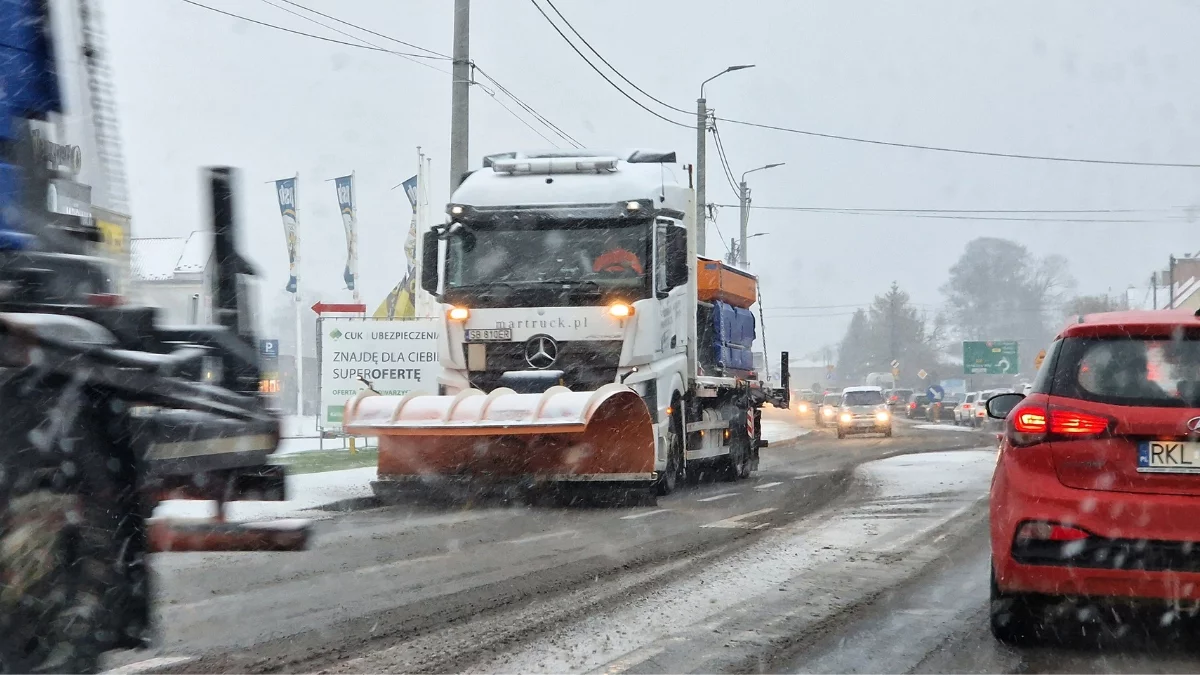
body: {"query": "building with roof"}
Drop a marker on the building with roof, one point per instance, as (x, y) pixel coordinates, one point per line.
(175, 274)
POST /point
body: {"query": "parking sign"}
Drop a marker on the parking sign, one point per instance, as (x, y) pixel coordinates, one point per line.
(268, 348)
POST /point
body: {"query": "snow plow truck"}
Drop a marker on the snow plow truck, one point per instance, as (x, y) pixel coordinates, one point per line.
(584, 344)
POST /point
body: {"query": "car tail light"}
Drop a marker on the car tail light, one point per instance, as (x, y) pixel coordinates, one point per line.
(1044, 531)
(912, 406)
(1033, 423)
(966, 406)
(1075, 424)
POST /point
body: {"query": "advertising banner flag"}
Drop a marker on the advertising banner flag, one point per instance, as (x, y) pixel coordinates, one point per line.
(401, 302)
(286, 191)
(345, 195)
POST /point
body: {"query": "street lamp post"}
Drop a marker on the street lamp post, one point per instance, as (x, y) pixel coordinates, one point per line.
(744, 203)
(701, 148)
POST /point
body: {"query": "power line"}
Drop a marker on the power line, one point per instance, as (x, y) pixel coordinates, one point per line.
(941, 216)
(528, 108)
(600, 72)
(297, 32)
(523, 121)
(611, 66)
(409, 57)
(364, 44)
(962, 151)
(724, 161)
(368, 30)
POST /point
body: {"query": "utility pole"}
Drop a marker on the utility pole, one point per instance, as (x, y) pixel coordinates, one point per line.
(460, 93)
(892, 322)
(732, 258)
(701, 149)
(1154, 285)
(1171, 283)
(744, 203)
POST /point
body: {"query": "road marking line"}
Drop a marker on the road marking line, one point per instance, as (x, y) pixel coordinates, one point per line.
(635, 516)
(631, 659)
(539, 537)
(149, 665)
(397, 563)
(764, 486)
(724, 496)
(737, 521)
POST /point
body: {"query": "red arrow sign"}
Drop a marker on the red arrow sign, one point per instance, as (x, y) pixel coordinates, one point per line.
(339, 308)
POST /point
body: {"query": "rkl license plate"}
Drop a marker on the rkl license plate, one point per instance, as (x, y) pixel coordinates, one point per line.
(1168, 457)
(489, 334)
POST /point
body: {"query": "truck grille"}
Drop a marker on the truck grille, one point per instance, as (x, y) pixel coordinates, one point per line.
(585, 364)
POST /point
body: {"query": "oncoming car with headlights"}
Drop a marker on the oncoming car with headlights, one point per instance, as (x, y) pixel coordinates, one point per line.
(862, 410)
(828, 408)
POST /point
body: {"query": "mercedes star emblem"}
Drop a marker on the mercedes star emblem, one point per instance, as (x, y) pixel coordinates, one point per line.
(1193, 425)
(541, 351)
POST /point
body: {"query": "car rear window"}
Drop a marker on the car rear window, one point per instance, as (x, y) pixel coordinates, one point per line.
(863, 398)
(832, 399)
(1155, 372)
(920, 399)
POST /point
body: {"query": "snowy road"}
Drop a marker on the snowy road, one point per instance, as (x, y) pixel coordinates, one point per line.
(718, 576)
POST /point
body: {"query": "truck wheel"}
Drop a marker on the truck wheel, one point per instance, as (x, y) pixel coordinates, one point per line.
(673, 473)
(65, 534)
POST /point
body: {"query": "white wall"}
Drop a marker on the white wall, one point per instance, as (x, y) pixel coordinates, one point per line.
(174, 298)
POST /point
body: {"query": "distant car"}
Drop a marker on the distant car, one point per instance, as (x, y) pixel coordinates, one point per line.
(863, 411)
(943, 410)
(964, 412)
(1096, 489)
(898, 398)
(918, 406)
(827, 412)
(805, 401)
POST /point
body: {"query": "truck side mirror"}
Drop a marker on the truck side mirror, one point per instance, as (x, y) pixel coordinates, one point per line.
(677, 257)
(429, 262)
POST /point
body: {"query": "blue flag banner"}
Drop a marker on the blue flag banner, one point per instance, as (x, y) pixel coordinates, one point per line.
(345, 195)
(402, 300)
(286, 191)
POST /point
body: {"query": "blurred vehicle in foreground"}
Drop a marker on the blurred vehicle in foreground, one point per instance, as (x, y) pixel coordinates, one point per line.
(1096, 492)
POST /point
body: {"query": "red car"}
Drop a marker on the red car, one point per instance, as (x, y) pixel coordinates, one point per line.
(1096, 491)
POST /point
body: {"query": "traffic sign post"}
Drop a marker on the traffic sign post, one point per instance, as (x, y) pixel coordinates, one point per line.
(935, 393)
(993, 357)
(268, 348)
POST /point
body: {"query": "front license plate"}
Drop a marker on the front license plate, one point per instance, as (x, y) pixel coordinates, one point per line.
(489, 334)
(1168, 457)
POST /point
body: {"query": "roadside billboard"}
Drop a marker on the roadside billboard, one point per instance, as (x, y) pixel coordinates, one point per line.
(396, 356)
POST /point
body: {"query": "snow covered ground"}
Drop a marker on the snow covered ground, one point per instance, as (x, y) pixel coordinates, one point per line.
(309, 491)
(912, 497)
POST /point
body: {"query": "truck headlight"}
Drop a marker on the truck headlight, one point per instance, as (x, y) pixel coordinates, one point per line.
(620, 310)
(458, 314)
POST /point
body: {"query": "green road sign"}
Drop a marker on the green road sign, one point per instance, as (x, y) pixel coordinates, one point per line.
(995, 357)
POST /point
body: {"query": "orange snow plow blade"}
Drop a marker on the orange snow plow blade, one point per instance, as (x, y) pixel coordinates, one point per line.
(559, 435)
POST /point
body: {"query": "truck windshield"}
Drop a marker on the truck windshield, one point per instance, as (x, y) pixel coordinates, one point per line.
(606, 254)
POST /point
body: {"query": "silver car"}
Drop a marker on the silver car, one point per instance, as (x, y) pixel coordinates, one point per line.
(863, 411)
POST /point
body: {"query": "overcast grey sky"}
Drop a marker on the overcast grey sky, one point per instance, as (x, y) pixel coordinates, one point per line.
(1088, 78)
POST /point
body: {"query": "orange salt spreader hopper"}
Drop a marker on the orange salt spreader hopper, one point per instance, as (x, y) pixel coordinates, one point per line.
(603, 436)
